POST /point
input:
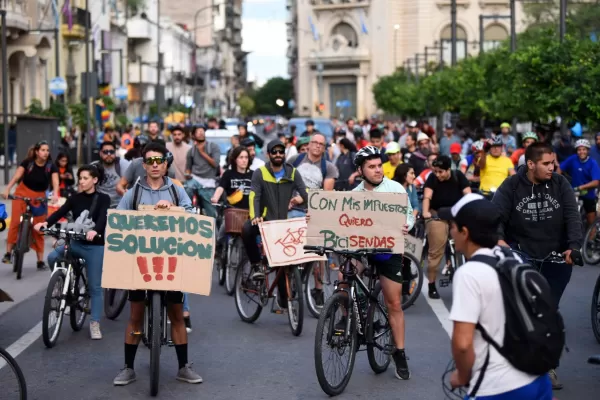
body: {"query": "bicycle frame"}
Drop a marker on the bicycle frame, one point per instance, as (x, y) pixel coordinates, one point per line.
(163, 320)
(69, 272)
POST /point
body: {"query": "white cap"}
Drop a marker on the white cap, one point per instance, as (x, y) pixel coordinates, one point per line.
(412, 124)
(422, 136)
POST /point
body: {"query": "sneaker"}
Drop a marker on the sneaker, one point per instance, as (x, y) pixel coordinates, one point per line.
(187, 374)
(188, 324)
(95, 332)
(41, 265)
(433, 293)
(318, 296)
(556, 384)
(258, 273)
(402, 371)
(7, 258)
(125, 377)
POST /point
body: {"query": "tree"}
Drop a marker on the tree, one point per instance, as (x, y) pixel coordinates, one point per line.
(275, 88)
(247, 105)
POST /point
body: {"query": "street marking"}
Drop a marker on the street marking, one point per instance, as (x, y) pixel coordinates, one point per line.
(23, 343)
(439, 309)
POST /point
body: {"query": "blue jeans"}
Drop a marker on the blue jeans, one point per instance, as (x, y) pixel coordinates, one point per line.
(540, 389)
(94, 257)
(192, 187)
(296, 213)
(186, 302)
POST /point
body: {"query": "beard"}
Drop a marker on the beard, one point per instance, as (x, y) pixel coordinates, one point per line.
(425, 151)
(109, 161)
(278, 162)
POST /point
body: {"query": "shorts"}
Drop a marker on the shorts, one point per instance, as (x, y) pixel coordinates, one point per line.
(140, 295)
(391, 269)
(589, 205)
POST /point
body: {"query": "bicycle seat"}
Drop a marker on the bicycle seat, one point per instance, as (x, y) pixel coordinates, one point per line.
(594, 359)
(4, 296)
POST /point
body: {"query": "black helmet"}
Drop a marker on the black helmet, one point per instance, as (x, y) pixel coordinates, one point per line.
(248, 142)
(140, 141)
(170, 158)
(366, 153)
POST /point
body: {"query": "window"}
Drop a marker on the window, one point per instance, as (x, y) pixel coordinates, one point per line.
(347, 32)
(494, 35)
(461, 44)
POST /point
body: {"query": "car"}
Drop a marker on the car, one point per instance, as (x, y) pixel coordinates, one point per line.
(323, 125)
(222, 137)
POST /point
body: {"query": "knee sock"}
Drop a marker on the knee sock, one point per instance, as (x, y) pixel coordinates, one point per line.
(130, 350)
(182, 354)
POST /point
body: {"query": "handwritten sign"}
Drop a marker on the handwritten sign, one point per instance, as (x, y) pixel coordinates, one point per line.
(353, 220)
(413, 246)
(158, 250)
(284, 242)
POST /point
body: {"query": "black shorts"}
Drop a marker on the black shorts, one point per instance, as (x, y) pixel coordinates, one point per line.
(140, 295)
(589, 205)
(391, 269)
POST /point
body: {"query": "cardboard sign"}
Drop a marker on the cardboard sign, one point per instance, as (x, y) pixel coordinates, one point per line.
(284, 242)
(354, 220)
(159, 250)
(413, 246)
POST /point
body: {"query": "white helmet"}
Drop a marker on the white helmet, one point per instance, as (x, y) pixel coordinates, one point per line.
(583, 143)
(366, 153)
(477, 146)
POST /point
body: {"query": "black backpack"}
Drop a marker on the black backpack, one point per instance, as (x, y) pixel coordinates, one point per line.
(117, 164)
(137, 194)
(534, 332)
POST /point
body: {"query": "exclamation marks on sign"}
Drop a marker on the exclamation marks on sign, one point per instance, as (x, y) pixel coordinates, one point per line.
(158, 264)
(142, 263)
(172, 268)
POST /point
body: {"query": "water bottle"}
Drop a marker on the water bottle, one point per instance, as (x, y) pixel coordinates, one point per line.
(362, 300)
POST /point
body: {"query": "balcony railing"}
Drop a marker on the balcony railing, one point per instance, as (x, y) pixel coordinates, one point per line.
(16, 14)
(139, 28)
(338, 4)
(78, 19)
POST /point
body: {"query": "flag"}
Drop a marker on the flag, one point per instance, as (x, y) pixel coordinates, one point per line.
(55, 13)
(363, 24)
(313, 28)
(66, 11)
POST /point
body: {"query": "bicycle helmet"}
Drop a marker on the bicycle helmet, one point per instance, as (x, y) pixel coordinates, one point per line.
(366, 153)
(496, 141)
(170, 158)
(530, 135)
(583, 143)
(140, 141)
(248, 142)
(477, 146)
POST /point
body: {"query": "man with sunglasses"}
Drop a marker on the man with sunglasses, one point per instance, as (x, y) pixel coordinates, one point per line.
(272, 190)
(156, 189)
(113, 169)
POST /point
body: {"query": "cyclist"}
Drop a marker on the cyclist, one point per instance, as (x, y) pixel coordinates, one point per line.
(154, 134)
(477, 299)
(539, 215)
(585, 177)
(448, 140)
(179, 148)
(472, 164)
(458, 163)
(394, 159)
(443, 188)
(35, 174)
(422, 178)
(113, 168)
(65, 174)
(273, 187)
(95, 204)
(250, 145)
(158, 190)
(509, 143)
(418, 159)
(368, 164)
(494, 168)
(518, 157)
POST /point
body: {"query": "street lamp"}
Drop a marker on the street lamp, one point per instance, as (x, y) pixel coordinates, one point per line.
(279, 102)
(396, 29)
(4, 93)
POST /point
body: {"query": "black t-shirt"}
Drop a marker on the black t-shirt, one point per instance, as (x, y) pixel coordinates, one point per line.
(232, 181)
(38, 178)
(405, 155)
(448, 192)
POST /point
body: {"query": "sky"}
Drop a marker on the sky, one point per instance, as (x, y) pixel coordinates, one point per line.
(264, 35)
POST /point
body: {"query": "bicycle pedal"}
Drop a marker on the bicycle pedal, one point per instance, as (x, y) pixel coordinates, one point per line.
(389, 349)
(134, 333)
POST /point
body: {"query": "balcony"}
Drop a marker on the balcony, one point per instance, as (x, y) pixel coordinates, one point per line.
(339, 4)
(77, 29)
(459, 3)
(140, 29)
(16, 14)
(494, 3)
(148, 74)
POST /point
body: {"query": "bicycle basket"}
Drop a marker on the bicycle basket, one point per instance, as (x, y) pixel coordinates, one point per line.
(234, 219)
(3, 214)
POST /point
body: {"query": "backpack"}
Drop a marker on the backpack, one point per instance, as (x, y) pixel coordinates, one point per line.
(47, 170)
(117, 164)
(534, 332)
(137, 194)
(301, 157)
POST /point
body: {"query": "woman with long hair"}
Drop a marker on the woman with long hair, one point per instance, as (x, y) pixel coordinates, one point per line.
(92, 250)
(34, 176)
(65, 175)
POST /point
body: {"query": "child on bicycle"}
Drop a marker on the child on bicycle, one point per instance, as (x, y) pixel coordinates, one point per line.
(96, 205)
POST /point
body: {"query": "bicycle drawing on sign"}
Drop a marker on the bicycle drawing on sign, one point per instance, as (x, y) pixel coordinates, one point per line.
(291, 241)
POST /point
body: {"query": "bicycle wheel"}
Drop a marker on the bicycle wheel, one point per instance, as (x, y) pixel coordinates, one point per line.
(80, 300)
(295, 300)
(327, 338)
(596, 310)
(155, 341)
(222, 265)
(17, 390)
(22, 247)
(591, 244)
(314, 272)
(379, 333)
(114, 302)
(415, 281)
(234, 260)
(247, 294)
(51, 324)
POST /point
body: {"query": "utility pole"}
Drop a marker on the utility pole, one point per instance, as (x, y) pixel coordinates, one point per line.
(453, 29)
(562, 32)
(417, 68)
(88, 134)
(513, 27)
(5, 95)
(158, 64)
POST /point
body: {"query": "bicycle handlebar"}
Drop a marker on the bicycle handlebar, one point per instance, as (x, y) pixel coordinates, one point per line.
(553, 257)
(321, 250)
(70, 234)
(27, 199)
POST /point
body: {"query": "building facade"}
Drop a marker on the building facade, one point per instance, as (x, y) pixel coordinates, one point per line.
(338, 49)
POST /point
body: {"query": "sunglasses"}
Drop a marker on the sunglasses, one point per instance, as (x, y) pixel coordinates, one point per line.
(276, 151)
(157, 159)
(108, 152)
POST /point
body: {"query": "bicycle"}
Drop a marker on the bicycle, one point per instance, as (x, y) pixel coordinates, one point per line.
(312, 273)
(360, 302)
(68, 285)
(245, 286)
(596, 310)
(114, 302)
(6, 359)
(233, 253)
(24, 237)
(155, 333)
(591, 244)
(221, 267)
(455, 258)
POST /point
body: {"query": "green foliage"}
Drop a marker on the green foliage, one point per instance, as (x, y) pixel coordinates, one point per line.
(247, 105)
(56, 110)
(35, 108)
(77, 111)
(267, 95)
(109, 103)
(121, 120)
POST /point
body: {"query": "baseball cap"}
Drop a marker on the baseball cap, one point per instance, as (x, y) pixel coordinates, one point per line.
(412, 124)
(455, 148)
(422, 136)
(274, 143)
(474, 212)
(392, 148)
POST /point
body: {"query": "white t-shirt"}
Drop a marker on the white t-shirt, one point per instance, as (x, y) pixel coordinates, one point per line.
(256, 164)
(477, 297)
(521, 160)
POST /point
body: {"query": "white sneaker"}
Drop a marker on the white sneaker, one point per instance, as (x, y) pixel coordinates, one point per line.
(95, 332)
